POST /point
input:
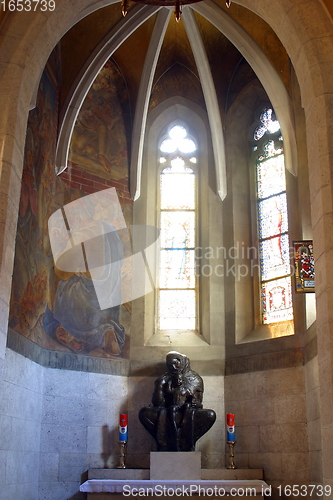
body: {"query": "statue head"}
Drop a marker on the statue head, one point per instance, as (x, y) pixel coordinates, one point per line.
(177, 362)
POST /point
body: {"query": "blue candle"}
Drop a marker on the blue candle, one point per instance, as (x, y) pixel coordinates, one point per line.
(230, 427)
(123, 427)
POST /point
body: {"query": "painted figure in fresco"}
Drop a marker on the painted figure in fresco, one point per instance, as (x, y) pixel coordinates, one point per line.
(99, 131)
(177, 419)
(45, 304)
(74, 317)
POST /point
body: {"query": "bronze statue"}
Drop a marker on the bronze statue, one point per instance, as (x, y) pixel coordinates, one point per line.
(176, 418)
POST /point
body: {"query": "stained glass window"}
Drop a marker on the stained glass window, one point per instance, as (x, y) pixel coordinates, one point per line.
(276, 297)
(177, 291)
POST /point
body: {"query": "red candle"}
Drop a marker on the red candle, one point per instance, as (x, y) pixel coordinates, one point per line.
(230, 427)
(123, 427)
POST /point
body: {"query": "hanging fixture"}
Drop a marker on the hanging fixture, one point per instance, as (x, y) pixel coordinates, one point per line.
(163, 3)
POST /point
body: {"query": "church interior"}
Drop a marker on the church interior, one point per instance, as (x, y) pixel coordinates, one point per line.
(195, 155)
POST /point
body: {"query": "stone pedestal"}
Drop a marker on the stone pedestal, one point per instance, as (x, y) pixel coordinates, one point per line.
(175, 465)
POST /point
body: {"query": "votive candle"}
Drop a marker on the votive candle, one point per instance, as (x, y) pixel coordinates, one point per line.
(122, 427)
(230, 427)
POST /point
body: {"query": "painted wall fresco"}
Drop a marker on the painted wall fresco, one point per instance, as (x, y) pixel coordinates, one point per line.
(46, 303)
(98, 144)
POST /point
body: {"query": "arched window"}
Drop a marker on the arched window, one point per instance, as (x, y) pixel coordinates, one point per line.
(177, 297)
(275, 270)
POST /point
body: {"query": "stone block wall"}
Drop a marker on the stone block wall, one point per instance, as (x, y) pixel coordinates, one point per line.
(314, 421)
(54, 425)
(20, 426)
(79, 428)
(270, 423)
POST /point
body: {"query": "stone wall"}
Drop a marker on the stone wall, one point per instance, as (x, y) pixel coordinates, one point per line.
(79, 428)
(54, 425)
(20, 427)
(314, 420)
(270, 423)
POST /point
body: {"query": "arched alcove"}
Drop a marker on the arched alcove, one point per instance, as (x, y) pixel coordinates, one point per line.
(305, 31)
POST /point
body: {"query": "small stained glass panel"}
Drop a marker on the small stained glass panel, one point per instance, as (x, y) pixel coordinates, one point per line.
(177, 269)
(274, 257)
(273, 217)
(271, 176)
(177, 309)
(259, 132)
(178, 191)
(177, 230)
(304, 266)
(268, 125)
(277, 300)
(266, 115)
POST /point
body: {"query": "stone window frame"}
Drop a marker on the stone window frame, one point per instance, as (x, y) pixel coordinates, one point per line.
(281, 328)
(196, 168)
(252, 329)
(143, 329)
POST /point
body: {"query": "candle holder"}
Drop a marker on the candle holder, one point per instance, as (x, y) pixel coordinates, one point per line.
(232, 464)
(122, 455)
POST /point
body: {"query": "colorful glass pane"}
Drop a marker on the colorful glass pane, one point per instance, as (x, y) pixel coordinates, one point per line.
(268, 125)
(266, 115)
(259, 132)
(177, 269)
(269, 151)
(273, 217)
(177, 191)
(177, 230)
(304, 266)
(274, 257)
(177, 309)
(277, 300)
(271, 177)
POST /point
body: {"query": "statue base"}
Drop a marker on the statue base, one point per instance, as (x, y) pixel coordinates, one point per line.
(175, 465)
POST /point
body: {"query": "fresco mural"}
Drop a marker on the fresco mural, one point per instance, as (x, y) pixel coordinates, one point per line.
(47, 304)
(98, 143)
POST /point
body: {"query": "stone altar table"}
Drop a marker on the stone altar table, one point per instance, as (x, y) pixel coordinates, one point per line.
(102, 489)
(119, 484)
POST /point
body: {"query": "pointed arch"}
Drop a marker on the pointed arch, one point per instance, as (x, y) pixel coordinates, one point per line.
(79, 89)
(264, 70)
